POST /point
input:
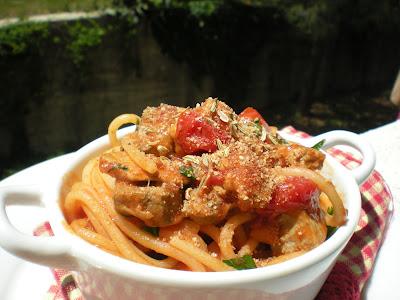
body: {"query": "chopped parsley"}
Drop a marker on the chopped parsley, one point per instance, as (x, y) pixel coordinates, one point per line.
(120, 167)
(187, 171)
(241, 263)
(330, 210)
(152, 230)
(280, 140)
(319, 145)
(330, 231)
(258, 126)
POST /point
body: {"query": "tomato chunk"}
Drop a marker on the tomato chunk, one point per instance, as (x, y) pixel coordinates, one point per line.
(216, 178)
(293, 194)
(195, 135)
(252, 114)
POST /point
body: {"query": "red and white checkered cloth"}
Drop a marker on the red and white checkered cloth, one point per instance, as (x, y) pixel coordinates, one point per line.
(354, 265)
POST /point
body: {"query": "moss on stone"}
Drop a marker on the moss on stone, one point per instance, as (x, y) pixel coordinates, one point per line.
(82, 37)
(17, 39)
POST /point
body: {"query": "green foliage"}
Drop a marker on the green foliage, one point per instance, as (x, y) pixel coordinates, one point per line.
(82, 38)
(130, 16)
(17, 39)
(203, 8)
(317, 18)
(321, 18)
(21, 37)
(306, 15)
(309, 18)
(198, 8)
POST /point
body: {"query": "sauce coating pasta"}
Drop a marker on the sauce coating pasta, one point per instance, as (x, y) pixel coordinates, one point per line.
(202, 189)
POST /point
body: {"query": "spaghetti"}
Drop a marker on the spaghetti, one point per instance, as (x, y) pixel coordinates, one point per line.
(202, 189)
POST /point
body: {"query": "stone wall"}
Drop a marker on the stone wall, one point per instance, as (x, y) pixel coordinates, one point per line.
(51, 106)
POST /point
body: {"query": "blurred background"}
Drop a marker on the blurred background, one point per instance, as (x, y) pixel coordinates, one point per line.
(67, 68)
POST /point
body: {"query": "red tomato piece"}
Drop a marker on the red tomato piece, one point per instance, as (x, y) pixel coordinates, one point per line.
(195, 135)
(216, 178)
(293, 194)
(252, 114)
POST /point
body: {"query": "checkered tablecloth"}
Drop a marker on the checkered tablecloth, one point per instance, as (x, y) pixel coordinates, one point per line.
(354, 265)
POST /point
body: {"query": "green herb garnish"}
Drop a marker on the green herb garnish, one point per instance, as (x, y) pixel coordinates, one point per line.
(258, 126)
(330, 231)
(319, 145)
(330, 210)
(152, 230)
(280, 140)
(241, 263)
(187, 171)
(120, 167)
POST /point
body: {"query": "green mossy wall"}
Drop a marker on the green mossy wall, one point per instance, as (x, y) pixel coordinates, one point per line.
(52, 103)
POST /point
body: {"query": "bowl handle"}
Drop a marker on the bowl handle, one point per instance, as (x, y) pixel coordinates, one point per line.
(342, 137)
(49, 251)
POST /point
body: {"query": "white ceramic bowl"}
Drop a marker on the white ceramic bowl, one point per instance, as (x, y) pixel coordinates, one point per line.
(103, 276)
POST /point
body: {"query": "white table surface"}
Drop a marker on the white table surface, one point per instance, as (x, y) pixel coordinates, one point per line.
(385, 279)
(23, 280)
